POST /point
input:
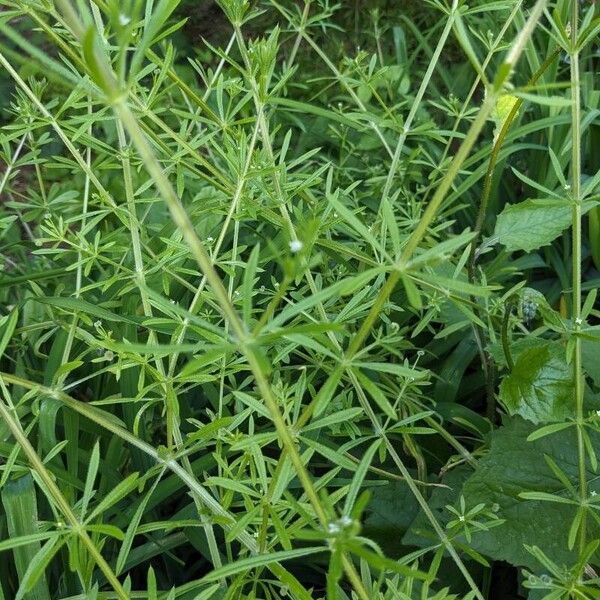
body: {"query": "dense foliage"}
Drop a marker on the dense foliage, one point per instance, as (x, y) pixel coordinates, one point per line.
(299, 299)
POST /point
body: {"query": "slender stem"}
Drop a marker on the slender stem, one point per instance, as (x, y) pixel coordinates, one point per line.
(576, 263)
(301, 28)
(431, 517)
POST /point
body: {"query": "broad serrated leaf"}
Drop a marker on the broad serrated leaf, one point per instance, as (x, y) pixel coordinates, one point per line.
(540, 386)
(534, 223)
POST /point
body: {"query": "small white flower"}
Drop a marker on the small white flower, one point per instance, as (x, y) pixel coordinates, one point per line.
(124, 20)
(578, 321)
(598, 413)
(593, 493)
(333, 528)
(97, 323)
(296, 246)
(345, 521)
(210, 239)
(461, 518)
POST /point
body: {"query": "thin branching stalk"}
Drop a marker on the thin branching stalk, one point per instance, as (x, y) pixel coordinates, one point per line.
(576, 265)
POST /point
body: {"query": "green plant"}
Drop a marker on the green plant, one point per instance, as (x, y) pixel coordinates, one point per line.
(277, 318)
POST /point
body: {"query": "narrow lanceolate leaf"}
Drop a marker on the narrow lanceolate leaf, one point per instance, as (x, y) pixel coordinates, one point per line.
(540, 386)
(37, 567)
(81, 306)
(534, 223)
(261, 560)
(20, 506)
(8, 327)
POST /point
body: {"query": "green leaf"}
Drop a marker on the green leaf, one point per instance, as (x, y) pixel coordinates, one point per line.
(115, 495)
(540, 387)
(88, 490)
(346, 286)
(248, 283)
(358, 225)
(385, 564)
(412, 293)
(82, 306)
(9, 325)
(548, 430)
(37, 567)
(359, 476)
(376, 393)
(20, 506)
(260, 560)
(25, 540)
(304, 108)
(534, 223)
(556, 101)
(327, 391)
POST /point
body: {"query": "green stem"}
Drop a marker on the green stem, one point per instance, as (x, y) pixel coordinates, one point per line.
(576, 263)
(467, 102)
(446, 542)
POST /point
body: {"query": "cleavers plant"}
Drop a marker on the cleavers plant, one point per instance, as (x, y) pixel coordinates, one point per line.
(302, 304)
